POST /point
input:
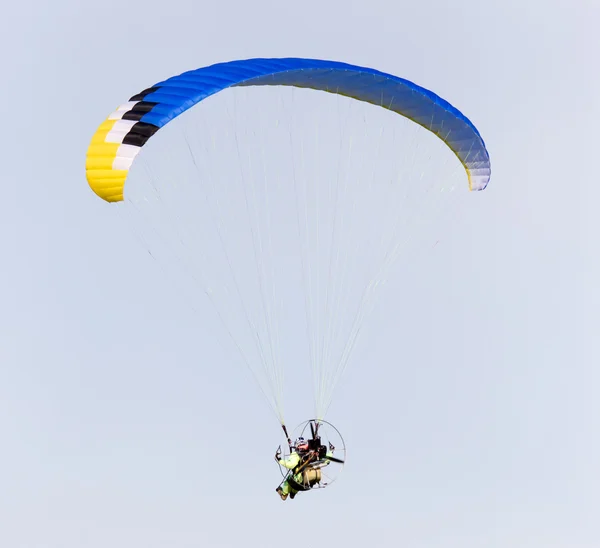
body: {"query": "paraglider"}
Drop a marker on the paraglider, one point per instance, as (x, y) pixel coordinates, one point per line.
(119, 139)
(291, 209)
(307, 465)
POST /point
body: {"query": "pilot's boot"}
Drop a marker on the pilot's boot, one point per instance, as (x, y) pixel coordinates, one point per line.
(281, 493)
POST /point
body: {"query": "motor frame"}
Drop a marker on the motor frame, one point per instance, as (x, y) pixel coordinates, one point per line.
(320, 472)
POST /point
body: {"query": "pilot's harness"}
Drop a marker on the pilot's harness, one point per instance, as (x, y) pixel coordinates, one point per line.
(310, 458)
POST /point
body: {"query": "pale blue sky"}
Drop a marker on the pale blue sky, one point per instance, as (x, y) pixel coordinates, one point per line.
(483, 418)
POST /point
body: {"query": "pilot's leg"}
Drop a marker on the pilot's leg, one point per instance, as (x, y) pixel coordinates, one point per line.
(284, 490)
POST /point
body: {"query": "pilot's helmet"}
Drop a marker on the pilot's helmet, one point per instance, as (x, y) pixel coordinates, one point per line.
(301, 444)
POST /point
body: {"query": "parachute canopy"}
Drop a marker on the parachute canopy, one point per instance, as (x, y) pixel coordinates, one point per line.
(120, 137)
(285, 209)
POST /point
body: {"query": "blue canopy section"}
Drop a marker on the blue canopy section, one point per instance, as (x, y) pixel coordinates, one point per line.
(167, 100)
